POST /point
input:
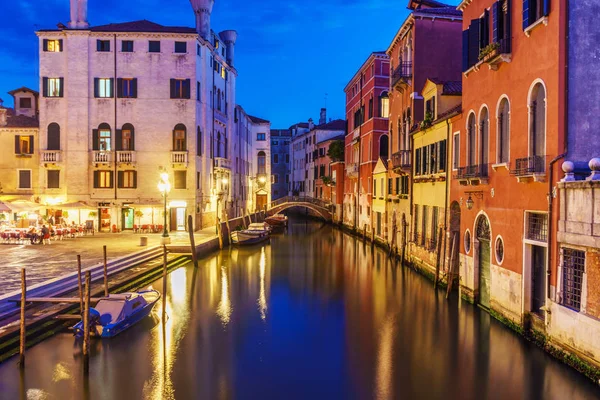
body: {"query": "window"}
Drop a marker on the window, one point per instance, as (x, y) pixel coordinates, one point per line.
(198, 180)
(430, 108)
(154, 46)
(287, 158)
(223, 73)
(180, 178)
(103, 88)
(434, 227)
(102, 45)
(52, 87)
(53, 45)
(471, 131)
(127, 88)
(261, 136)
(53, 179)
(442, 156)
(537, 227)
(467, 241)
(180, 47)
(25, 102)
(275, 158)
(127, 46)
(383, 146)
(424, 226)
(484, 137)
(103, 179)
(573, 269)
(262, 163)
(24, 144)
(53, 136)
(533, 10)
(404, 185)
(456, 151)
(104, 139)
(499, 250)
(127, 179)
(198, 142)
(24, 178)
(416, 224)
(371, 108)
(275, 178)
(180, 88)
(179, 138)
(384, 105)
(537, 121)
(503, 129)
(126, 138)
(198, 91)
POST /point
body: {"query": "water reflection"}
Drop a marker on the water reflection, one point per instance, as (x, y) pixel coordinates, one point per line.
(315, 314)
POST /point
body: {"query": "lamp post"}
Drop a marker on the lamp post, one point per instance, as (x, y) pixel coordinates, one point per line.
(164, 187)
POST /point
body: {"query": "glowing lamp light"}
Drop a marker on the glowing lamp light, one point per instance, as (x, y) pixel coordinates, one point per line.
(470, 203)
(262, 179)
(225, 181)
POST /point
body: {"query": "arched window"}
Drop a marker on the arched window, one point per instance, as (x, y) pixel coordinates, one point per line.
(180, 138)
(384, 105)
(383, 146)
(484, 136)
(53, 136)
(503, 131)
(125, 138)
(199, 142)
(471, 131)
(102, 138)
(262, 166)
(537, 112)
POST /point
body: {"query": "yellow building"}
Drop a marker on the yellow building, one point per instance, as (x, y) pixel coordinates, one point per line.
(430, 190)
(379, 200)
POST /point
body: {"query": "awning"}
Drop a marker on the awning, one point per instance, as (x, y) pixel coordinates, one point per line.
(23, 205)
(4, 207)
(76, 204)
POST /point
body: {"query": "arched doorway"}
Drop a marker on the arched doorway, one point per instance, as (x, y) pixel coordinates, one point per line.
(383, 147)
(482, 233)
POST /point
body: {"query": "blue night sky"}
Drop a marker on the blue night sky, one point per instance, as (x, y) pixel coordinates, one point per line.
(289, 54)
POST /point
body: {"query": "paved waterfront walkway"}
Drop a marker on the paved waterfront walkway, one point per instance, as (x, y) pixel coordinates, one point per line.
(60, 257)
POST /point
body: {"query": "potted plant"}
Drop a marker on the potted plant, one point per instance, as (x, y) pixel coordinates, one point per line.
(428, 121)
(139, 214)
(488, 51)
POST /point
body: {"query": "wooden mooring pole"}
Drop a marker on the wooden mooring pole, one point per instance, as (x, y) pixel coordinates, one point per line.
(437, 261)
(164, 287)
(192, 241)
(220, 233)
(86, 325)
(23, 325)
(451, 266)
(79, 287)
(105, 272)
(228, 229)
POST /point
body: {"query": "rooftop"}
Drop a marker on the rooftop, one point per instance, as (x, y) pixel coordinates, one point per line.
(335, 125)
(19, 121)
(136, 26)
(257, 120)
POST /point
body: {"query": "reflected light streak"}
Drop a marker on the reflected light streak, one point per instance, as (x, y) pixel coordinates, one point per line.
(262, 298)
(384, 374)
(61, 373)
(224, 309)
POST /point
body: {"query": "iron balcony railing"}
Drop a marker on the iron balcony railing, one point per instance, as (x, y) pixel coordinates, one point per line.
(50, 156)
(529, 166)
(473, 171)
(403, 71)
(401, 159)
(223, 163)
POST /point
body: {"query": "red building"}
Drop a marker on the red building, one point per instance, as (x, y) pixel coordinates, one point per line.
(367, 110)
(505, 154)
(328, 176)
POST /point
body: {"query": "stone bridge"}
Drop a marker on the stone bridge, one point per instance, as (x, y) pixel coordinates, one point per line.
(322, 208)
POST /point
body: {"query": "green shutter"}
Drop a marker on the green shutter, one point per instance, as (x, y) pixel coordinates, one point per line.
(96, 87)
(120, 176)
(17, 144)
(31, 144)
(96, 179)
(119, 140)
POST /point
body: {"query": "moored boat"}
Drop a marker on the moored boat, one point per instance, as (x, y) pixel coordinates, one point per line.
(277, 220)
(256, 233)
(118, 312)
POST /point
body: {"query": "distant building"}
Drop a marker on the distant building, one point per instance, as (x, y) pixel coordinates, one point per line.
(327, 179)
(280, 162)
(20, 161)
(367, 110)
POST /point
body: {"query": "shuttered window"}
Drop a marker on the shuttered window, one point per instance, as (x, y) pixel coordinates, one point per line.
(53, 45)
(53, 179)
(24, 176)
(102, 45)
(103, 179)
(180, 178)
(103, 88)
(180, 88)
(52, 87)
(24, 144)
(127, 179)
(533, 10)
(127, 88)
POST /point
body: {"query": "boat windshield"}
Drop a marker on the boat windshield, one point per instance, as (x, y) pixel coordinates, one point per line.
(110, 311)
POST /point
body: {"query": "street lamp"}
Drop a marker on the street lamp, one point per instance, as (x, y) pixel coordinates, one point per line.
(164, 187)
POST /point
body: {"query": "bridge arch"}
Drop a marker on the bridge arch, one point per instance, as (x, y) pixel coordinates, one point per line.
(323, 212)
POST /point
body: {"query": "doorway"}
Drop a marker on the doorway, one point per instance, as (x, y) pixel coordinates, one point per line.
(484, 261)
(177, 219)
(127, 218)
(261, 202)
(538, 288)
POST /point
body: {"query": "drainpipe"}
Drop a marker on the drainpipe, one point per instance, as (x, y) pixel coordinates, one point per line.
(116, 173)
(447, 191)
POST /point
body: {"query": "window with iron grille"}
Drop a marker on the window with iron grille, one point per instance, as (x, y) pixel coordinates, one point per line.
(572, 277)
(537, 227)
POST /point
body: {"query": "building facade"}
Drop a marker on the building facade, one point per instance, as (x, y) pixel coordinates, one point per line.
(134, 100)
(325, 181)
(427, 45)
(512, 131)
(367, 110)
(280, 162)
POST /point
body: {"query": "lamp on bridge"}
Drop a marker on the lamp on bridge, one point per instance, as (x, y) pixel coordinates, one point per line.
(164, 186)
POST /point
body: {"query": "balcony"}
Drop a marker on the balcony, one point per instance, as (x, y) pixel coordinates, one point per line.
(222, 163)
(126, 157)
(352, 170)
(496, 53)
(530, 169)
(401, 161)
(402, 75)
(179, 157)
(101, 157)
(473, 174)
(50, 156)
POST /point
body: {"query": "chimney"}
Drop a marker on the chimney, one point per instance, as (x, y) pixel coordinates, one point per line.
(323, 117)
(311, 124)
(3, 120)
(229, 38)
(202, 9)
(79, 15)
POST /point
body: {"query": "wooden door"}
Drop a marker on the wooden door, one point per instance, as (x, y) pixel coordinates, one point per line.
(261, 202)
(538, 267)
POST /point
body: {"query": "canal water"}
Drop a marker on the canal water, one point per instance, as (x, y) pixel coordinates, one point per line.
(315, 314)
